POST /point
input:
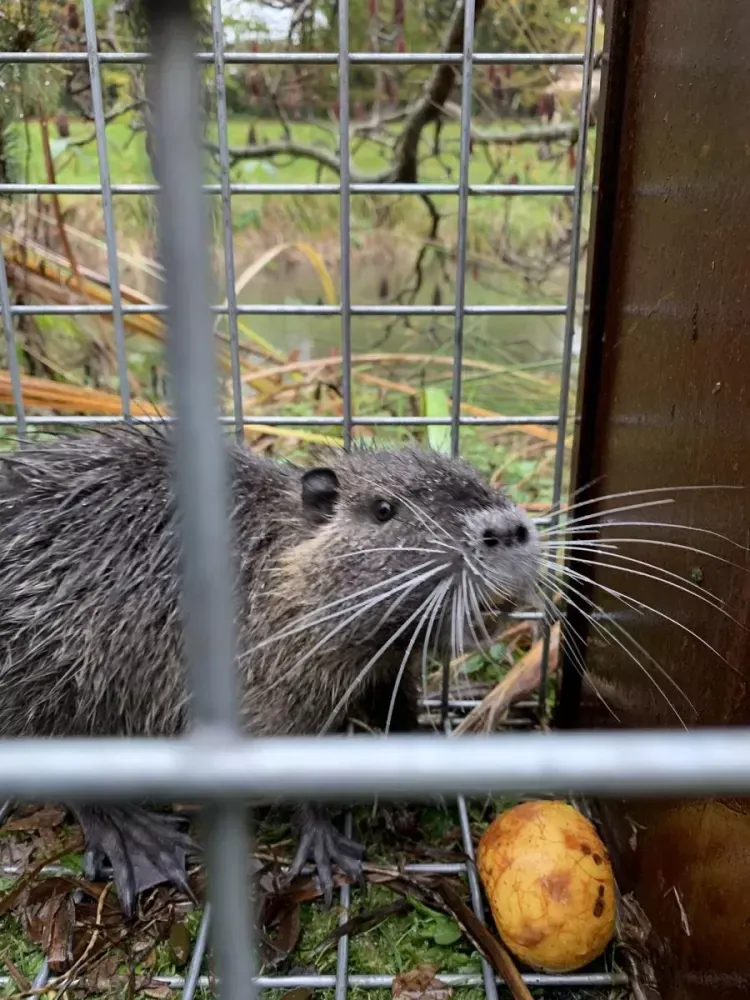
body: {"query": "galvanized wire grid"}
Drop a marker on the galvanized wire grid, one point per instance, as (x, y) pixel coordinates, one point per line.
(215, 766)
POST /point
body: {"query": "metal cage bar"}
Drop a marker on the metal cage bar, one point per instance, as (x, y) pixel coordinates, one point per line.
(226, 215)
(356, 187)
(570, 312)
(19, 419)
(298, 310)
(314, 58)
(92, 49)
(583, 980)
(292, 421)
(345, 227)
(214, 766)
(463, 222)
(605, 763)
(201, 475)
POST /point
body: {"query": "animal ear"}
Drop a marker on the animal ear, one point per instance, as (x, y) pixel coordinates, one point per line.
(320, 491)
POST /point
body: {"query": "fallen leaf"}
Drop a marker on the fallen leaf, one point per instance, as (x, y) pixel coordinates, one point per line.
(104, 971)
(420, 984)
(484, 941)
(180, 943)
(59, 914)
(448, 932)
(21, 885)
(15, 853)
(46, 839)
(48, 916)
(364, 922)
(281, 928)
(522, 679)
(300, 993)
(45, 818)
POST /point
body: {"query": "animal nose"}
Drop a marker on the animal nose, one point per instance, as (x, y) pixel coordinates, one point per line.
(517, 534)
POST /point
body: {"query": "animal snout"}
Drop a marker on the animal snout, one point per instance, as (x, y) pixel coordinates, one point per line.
(507, 535)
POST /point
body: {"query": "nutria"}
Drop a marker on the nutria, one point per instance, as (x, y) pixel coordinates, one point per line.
(336, 568)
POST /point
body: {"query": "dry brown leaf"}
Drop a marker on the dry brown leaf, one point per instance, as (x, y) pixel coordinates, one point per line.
(16, 975)
(48, 917)
(521, 680)
(21, 885)
(420, 984)
(42, 393)
(300, 993)
(59, 914)
(159, 991)
(46, 817)
(280, 922)
(13, 852)
(364, 922)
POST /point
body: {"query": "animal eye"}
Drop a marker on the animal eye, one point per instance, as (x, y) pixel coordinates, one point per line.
(384, 510)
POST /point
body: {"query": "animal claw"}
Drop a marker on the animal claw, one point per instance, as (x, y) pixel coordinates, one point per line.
(144, 850)
(322, 843)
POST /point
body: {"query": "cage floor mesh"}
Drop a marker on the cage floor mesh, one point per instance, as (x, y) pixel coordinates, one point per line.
(603, 980)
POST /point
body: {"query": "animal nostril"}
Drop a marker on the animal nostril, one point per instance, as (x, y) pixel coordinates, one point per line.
(490, 538)
(513, 536)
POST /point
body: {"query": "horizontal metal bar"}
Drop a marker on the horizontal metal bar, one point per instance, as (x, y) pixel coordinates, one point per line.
(463, 704)
(616, 763)
(315, 58)
(450, 979)
(375, 982)
(290, 421)
(433, 868)
(482, 190)
(158, 309)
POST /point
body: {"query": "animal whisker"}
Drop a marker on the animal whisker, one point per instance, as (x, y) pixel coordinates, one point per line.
(647, 607)
(566, 589)
(428, 616)
(579, 664)
(477, 611)
(554, 529)
(387, 548)
(303, 622)
(409, 586)
(634, 493)
(667, 579)
(362, 675)
(425, 519)
(575, 530)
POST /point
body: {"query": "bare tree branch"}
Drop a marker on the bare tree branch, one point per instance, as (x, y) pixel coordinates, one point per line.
(301, 150)
(558, 132)
(110, 116)
(427, 109)
(430, 105)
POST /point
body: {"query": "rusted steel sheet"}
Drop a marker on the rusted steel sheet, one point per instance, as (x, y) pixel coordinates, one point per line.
(665, 401)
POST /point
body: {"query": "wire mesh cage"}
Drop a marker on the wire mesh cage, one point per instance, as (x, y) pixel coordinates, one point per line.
(214, 765)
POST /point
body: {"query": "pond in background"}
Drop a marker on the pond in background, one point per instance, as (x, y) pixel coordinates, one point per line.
(532, 344)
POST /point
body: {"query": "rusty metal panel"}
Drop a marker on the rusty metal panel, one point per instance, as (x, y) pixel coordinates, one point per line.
(665, 401)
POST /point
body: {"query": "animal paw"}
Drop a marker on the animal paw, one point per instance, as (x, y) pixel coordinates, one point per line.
(144, 849)
(321, 843)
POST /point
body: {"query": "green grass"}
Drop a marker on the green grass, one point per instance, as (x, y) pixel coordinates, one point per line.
(129, 165)
(396, 224)
(396, 945)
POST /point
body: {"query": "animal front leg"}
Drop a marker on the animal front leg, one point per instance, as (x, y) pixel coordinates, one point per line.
(322, 844)
(144, 850)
